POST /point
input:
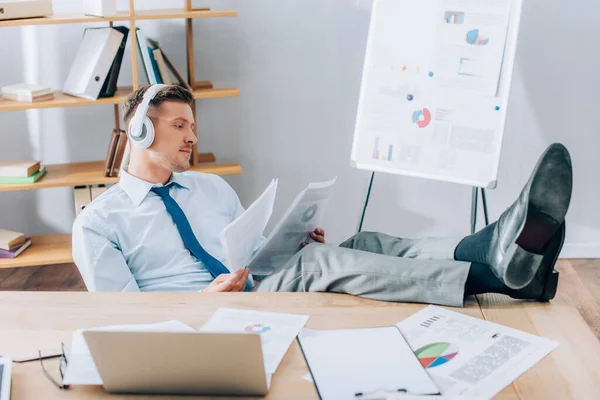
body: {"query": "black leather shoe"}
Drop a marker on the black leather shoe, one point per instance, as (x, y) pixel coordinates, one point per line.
(545, 282)
(517, 242)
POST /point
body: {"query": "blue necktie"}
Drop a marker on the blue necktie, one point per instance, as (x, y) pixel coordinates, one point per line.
(214, 266)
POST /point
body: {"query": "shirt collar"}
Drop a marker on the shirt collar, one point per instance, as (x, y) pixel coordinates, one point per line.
(137, 189)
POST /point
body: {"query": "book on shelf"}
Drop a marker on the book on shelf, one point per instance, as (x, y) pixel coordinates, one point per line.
(11, 239)
(119, 153)
(16, 251)
(169, 64)
(18, 168)
(27, 92)
(147, 58)
(110, 154)
(110, 84)
(162, 67)
(23, 180)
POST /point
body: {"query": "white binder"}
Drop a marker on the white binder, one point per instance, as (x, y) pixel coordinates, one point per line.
(92, 63)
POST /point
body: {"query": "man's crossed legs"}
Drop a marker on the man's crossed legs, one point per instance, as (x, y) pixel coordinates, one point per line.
(515, 255)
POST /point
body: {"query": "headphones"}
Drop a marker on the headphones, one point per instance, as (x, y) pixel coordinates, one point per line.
(141, 129)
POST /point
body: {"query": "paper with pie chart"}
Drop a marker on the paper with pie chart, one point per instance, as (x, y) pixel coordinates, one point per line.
(434, 89)
(277, 330)
(303, 216)
(467, 356)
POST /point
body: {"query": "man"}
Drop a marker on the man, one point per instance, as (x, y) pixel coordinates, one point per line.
(158, 230)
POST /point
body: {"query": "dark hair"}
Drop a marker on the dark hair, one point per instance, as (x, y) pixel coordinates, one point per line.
(169, 93)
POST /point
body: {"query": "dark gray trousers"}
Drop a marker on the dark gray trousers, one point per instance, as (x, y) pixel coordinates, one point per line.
(377, 266)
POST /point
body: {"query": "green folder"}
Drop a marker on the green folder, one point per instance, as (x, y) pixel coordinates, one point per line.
(12, 180)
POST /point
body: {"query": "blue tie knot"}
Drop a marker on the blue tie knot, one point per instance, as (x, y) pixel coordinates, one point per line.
(162, 191)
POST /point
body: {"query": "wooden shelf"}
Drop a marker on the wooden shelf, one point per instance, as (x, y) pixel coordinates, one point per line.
(44, 250)
(92, 173)
(121, 16)
(63, 100)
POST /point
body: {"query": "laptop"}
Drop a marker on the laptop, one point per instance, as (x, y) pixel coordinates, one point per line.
(179, 362)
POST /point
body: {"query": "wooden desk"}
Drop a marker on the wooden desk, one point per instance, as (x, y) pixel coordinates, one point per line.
(42, 320)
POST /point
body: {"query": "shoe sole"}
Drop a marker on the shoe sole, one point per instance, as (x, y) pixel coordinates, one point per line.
(544, 218)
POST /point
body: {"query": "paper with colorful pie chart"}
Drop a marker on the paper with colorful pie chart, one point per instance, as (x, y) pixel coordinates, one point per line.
(277, 330)
(435, 88)
(303, 216)
(467, 356)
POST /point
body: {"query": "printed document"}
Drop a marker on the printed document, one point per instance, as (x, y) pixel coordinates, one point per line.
(241, 237)
(467, 356)
(363, 363)
(470, 45)
(303, 216)
(81, 369)
(277, 331)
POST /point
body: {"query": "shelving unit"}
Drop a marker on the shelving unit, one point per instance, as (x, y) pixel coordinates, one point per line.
(62, 100)
(56, 249)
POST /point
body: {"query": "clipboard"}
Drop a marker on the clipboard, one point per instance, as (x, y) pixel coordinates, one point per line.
(370, 363)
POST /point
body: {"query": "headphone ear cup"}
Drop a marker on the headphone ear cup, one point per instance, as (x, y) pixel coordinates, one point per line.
(146, 139)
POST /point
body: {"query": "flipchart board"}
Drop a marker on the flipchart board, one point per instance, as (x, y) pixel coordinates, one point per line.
(435, 88)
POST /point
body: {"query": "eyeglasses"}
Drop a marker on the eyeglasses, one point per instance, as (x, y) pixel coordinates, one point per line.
(61, 367)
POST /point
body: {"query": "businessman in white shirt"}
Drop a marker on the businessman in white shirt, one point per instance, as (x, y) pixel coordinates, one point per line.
(158, 230)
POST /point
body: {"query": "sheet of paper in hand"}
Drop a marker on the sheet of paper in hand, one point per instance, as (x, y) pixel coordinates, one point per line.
(303, 216)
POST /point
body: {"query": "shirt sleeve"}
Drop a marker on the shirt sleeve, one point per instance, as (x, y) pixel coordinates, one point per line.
(99, 260)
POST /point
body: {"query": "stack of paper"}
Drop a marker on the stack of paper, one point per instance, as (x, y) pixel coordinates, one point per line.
(27, 92)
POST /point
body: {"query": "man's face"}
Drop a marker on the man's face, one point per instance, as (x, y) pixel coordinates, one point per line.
(174, 136)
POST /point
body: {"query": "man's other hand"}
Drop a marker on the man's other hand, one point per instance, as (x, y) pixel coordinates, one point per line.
(318, 235)
(235, 282)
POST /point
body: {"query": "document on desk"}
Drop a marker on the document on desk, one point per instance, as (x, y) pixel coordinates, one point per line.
(363, 363)
(241, 237)
(467, 356)
(302, 217)
(277, 331)
(81, 369)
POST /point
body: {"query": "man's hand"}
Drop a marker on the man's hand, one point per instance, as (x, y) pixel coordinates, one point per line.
(235, 282)
(318, 235)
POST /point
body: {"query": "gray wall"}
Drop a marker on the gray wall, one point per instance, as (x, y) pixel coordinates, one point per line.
(298, 65)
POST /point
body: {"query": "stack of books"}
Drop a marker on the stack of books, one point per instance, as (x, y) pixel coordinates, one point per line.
(27, 92)
(117, 156)
(12, 243)
(20, 172)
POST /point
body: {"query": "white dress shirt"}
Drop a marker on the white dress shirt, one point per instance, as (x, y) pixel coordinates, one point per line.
(126, 241)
